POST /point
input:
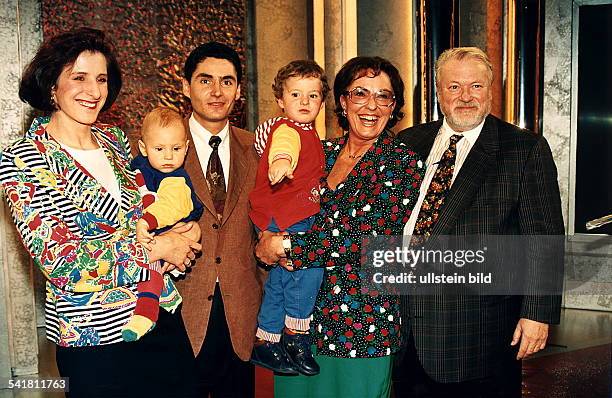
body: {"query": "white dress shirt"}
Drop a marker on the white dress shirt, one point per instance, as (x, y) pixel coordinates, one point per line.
(201, 139)
(441, 143)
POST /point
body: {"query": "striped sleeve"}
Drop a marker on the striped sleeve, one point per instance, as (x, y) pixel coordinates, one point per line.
(262, 133)
(45, 221)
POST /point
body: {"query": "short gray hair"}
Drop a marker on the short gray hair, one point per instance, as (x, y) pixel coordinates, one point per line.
(460, 53)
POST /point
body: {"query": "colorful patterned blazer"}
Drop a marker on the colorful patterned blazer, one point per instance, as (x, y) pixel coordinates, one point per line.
(78, 235)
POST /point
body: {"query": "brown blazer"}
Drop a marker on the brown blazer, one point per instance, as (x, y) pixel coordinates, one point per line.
(227, 252)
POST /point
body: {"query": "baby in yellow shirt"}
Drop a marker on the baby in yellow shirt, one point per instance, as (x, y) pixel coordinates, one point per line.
(168, 197)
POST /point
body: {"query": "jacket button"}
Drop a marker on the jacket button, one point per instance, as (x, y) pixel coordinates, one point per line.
(210, 297)
(215, 226)
(218, 260)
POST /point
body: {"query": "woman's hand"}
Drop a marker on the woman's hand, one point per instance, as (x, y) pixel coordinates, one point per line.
(269, 249)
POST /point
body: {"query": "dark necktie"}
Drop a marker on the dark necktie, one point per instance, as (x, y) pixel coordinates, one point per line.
(436, 193)
(214, 176)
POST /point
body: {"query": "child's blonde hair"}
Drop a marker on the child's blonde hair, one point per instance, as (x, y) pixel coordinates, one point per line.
(161, 117)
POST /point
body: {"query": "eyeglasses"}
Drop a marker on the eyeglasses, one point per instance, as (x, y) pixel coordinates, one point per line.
(360, 96)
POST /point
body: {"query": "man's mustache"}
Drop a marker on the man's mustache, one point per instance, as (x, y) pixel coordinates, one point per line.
(473, 104)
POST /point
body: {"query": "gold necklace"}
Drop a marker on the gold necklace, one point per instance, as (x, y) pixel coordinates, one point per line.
(351, 156)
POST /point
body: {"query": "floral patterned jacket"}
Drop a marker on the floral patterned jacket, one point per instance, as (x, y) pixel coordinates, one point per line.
(351, 320)
(78, 235)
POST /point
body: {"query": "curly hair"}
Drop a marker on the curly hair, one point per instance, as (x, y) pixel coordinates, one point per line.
(58, 52)
(358, 67)
(299, 68)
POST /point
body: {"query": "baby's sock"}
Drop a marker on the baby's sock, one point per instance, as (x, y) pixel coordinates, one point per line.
(146, 312)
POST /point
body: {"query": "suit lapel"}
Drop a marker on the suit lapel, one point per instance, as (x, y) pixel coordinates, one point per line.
(470, 178)
(195, 172)
(238, 172)
(421, 139)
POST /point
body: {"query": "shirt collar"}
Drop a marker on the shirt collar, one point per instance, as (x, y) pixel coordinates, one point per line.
(304, 126)
(200, 131)
(470, 135)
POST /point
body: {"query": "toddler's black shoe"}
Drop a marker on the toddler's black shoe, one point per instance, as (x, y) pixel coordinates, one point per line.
(271, 356)
(298, 350)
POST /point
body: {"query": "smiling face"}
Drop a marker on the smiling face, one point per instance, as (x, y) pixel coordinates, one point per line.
(164, 147)
(302, 98)
(368, 120)
(464, 93)
(213, 90)
(81, 90)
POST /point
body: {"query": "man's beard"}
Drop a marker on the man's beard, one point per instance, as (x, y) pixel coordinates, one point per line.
(469, 120)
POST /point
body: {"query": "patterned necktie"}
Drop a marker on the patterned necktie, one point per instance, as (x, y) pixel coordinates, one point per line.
(436, 193)
(214, 176)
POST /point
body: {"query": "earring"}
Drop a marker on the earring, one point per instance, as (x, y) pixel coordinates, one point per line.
(391, 117)
(344, 112)
(52, 99)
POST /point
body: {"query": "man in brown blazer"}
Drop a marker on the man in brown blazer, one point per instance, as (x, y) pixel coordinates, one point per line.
(222, 291)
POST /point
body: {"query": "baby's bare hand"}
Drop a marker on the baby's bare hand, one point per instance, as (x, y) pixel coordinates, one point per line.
(143, 235)
(279, 169)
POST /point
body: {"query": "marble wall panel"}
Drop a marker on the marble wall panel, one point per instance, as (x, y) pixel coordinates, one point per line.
(588, 276)
(557, 89)
(20, 35)
(473, 26)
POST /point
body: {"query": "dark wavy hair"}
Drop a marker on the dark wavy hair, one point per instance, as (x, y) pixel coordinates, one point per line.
(41, 75)
(358, 67)
(212, 49)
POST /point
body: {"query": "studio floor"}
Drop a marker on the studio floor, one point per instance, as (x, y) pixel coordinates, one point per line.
(576, 363)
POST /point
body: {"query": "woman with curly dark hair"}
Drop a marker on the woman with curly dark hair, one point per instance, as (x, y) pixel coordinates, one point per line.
(75, 203)
(370, 186)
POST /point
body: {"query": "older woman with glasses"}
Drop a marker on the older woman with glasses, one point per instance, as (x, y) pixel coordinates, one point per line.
(371, 185)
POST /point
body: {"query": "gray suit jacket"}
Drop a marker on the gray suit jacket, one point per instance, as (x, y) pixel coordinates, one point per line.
(507, 186)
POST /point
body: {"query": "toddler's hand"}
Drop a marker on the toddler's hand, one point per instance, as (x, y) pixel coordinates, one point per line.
(143, 235)
(279, 169)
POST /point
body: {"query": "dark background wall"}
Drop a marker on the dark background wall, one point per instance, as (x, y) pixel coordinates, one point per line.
(152, 40)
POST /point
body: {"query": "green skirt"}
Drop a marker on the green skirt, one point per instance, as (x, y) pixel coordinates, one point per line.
(340, 378)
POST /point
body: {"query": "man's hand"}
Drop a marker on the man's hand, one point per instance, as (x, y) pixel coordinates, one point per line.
(269, 249)
(283, 263)
(143, 235)
(189, 230)
(174, 248)
(279, 169)
(532, 335)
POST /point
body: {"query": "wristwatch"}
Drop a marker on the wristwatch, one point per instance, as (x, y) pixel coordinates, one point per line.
(287, 248)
